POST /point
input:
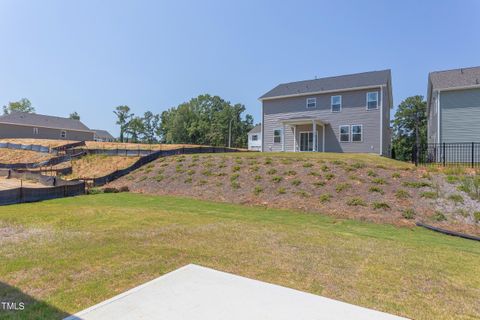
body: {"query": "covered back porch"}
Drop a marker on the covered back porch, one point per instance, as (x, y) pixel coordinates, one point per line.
(303, 134)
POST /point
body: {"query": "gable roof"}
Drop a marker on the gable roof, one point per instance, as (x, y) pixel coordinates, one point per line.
(256, 129)
(40, 120)
(456, 78)
(102, 134)
(350, 81)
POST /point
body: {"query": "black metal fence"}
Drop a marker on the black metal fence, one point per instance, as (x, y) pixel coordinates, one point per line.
(444, 154)
(29, 147)
(47, 163)
(54, 188)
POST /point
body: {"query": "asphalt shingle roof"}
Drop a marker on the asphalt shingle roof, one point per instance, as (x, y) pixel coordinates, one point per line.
(456, 78)
(102, 134)
(356, 80)
(256, 129)
(33, 119)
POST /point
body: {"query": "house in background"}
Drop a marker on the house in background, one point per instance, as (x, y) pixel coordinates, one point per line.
(102, 136)
(348, 113)
(255, 138)
(453, 108)
(38, 126)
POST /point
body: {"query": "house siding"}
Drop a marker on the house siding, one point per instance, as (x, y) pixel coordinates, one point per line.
(18, 131)
(353, 112)
(432, 123)
(460, 116)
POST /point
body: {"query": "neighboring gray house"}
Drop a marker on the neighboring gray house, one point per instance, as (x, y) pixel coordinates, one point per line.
(103, 136)
(349, 113)
(453, 108)
(255, 138)
(38, 126)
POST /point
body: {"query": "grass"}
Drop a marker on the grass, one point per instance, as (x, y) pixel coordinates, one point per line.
(74, 252)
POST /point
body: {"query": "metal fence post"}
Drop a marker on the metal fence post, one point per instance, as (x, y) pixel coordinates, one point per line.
(473, 154)
(443, 151)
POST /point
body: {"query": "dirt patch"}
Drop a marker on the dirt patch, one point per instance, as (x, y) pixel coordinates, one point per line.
(342, 188)
(6, 184)
(93, 166)
(22, 156)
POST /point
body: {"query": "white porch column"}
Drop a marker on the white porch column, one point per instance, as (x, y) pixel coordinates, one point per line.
(283, 137)
(294, 138)
(314, 126)
(323, 137)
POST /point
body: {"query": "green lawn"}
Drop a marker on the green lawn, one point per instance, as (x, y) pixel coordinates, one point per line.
(65, 255)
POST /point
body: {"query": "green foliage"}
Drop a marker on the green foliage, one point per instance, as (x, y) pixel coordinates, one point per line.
(188, 180)
(476, 216)
(123, 118)
(354, 202)
(358, 165)
(319, 183)
(376, 189)
(429, 195)
(296, 182)
(314, 174)
(380, 205)
(416, 184)
(281, 190)
(379, 181)
(439, 216)
(408, 213)
(396, 175)
(277, 179)
(257, 190)
(23, 105)
(371, 173)
(234, 177)
(329, 176)
(271, 171)
(324, 168)
(205, 120)
(402, 194)
(326, 197)
(410, 113)
(452, 179)
(456, 198)
(303, 193)
(307, 165)
(342, 187)
(290, 173)
(94, 191)
(74, 116)
(235, 185)
(236, 168)
(257, 177)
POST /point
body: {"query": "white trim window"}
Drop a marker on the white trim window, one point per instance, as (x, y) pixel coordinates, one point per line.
(344, 133)
(336, 103)
(357, 133)
(63, 134)
(372, 100)
(277, 136)
(35, 130)
(255, 137)
(311, 103)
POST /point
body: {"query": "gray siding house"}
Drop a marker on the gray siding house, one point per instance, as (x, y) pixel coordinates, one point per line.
(453, 108)
(348, 113)
(255, 138)
(38, 126)
(103, 136)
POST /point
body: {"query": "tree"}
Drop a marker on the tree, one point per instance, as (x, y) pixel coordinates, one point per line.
(150, 125)
(135, 128)
(409, 127)
(23, 105)
(74, 115)
(123, 118)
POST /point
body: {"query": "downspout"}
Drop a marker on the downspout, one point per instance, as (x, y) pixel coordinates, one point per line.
(261, 130)
(381, 120)
(438, 117)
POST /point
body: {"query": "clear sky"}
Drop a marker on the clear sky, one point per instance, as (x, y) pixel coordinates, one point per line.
(90, 56)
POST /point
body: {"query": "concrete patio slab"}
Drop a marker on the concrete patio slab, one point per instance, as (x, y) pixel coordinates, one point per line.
(195, 292)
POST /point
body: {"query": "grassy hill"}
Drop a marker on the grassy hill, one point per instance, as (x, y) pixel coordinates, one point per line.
(71, 253)
(365, 187)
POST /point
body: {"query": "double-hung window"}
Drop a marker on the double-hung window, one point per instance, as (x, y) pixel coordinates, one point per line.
(63, 135)
(35, 130)
(345, 133)
(336, 103)
(372, 100)
(254, 137)
(357, 133)
(311, 102)
(277, 136)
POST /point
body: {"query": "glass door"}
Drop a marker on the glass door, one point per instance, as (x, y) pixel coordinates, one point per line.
(306, 141)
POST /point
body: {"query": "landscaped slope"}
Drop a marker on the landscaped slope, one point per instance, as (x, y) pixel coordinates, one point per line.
(22, 156)
(366, 187)
(94, 166)
(75, 252)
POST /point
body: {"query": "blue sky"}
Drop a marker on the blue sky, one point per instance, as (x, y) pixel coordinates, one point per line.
(90, 56)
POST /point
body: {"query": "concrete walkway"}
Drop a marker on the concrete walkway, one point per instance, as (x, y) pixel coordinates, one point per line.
(194, 292)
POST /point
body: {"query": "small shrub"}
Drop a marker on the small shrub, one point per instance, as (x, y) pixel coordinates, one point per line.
(239, 161)
(439, 216)
(319, 183)
(381, 166)
(143, 178)
(371, 173)
(257, 190)
(307, 165)
(379, 181)
(358, 165)
(202, 182)
(190, 172)
(338, 162)
(408, 213)
(110, 190)
(303, 193)
(476, 216)
(271, 171)
(234, 177)
(236, 168)
(326, 197)
(396, 175)
(329, 176)
(94, 191)
(188, 180)
(416, 184)
(314, 174)
(354, 202)
(254, 168)
(124, 189)
(376, 189)
(296, 182)
(290, 173)
(380, 205)
(222, 165)
(277, 179)
(426, 175)
(456, 198)
(268, 161)
(159, 177)
(324, 168)
(429, 195)
(207, 172)
(342, 187)
(402, 194)
(235, 185)
(257, 177)
(130, 178)
(454, 170)
(281, 190)
(221, 174)
(452, 179)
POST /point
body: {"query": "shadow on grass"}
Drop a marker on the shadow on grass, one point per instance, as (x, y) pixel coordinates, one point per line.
(15, 304)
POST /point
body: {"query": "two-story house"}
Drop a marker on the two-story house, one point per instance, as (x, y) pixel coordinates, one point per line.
(348, 113)
(453, 108)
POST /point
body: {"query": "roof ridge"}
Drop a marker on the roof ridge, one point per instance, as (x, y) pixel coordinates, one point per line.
(456, 69)
(336, 76)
